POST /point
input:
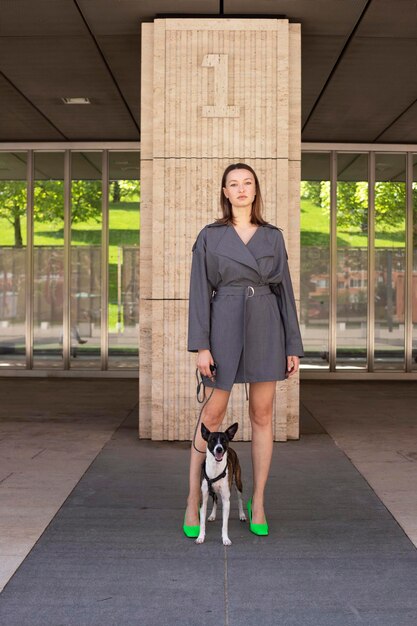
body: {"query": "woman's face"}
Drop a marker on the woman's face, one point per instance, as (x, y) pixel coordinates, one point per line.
(240, 188)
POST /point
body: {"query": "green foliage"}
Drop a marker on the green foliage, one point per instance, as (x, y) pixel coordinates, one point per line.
(315, 218)
(13, 206)
(352, 202)
(12, 199)
(352, 213)
(390, 203)
(127, 190)
(85, 201)
(310, 190)
(352, 205)
(86, 196)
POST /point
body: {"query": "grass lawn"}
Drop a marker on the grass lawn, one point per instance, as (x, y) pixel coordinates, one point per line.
(124, 227)
(315, 231)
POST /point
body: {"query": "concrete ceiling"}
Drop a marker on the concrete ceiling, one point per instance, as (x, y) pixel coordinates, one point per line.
(359, 57)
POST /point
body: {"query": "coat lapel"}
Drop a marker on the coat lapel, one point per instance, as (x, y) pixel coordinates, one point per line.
(261, 245)
(232, 247)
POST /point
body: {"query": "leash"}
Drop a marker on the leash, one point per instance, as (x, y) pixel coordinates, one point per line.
(202, 400)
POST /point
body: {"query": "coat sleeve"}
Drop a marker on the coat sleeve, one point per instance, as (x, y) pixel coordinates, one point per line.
(199, 299)
(286, 304)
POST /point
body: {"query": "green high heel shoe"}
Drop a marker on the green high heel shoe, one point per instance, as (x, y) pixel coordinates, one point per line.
(191, 531)
(256, 529)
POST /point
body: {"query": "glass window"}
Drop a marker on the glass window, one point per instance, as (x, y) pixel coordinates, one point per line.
(315, 259)
(124, 225)
(352, 260)
(85, 271)
(13, 198)
(390, 238)
(86, 226)
(48, 260)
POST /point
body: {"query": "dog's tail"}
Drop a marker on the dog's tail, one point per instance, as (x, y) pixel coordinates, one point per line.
(235, 472)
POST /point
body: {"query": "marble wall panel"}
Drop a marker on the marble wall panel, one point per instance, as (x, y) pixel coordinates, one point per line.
(214, 91)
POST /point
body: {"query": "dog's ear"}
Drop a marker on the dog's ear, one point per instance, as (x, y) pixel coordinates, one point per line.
(231, 431)
(205, 433)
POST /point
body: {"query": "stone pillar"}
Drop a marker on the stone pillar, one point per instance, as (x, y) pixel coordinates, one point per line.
(214, 91)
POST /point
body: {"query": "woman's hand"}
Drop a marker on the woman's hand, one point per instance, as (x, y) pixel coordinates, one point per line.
(293, 364)
(204, 360)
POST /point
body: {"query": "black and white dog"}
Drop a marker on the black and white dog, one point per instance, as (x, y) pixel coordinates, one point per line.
(220, 468)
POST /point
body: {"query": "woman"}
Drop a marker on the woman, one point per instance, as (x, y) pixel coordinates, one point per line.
(239, 323)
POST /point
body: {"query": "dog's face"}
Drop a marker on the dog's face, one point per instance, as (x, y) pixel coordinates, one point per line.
(218, 443)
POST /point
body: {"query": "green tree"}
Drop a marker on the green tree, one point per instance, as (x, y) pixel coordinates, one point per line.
(127, 190)
(352, 205)
(85, 201)
(352, 202)
(13, 206)
(390, 202)
(116, 191)
(310, 190)
(49, 202)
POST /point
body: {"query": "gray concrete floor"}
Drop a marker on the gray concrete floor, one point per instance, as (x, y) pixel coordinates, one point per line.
(50, 432)
(113, 552)
(375, 424)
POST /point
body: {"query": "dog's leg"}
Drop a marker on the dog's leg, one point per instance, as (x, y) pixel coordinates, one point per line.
(212, 516)
(226, 510)
(203, 513)
(239, 489)
(242, 515)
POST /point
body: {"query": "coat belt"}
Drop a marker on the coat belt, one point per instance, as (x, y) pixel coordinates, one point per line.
(248, 291)
(239, 290)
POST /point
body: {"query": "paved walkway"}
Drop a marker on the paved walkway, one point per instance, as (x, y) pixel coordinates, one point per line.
(50, 432)
(375, 424)
(114, 553)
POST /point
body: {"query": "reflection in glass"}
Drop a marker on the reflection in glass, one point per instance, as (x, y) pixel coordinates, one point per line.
(414, 281)
(123, 311)
(13, 197)
(315, 259)
(86, 223)
(390, 238)
(352, 260)
(48, 259)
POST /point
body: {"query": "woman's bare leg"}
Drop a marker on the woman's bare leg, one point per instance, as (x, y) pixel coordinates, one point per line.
(261, 397)
(212, 416)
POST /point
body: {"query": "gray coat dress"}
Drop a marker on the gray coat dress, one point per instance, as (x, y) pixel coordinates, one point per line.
(233, 312)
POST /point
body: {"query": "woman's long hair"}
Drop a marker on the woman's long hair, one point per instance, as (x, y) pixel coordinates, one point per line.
(226, 205)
